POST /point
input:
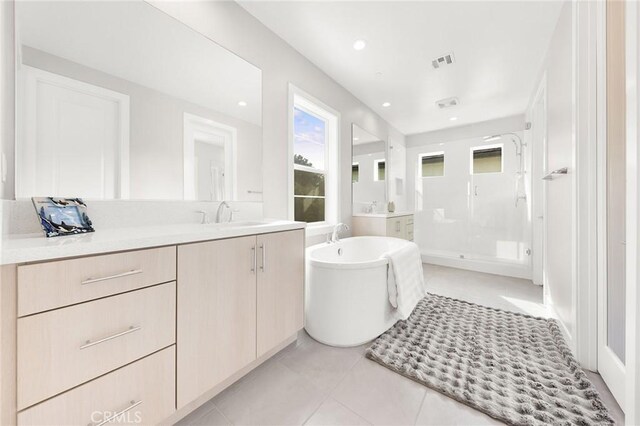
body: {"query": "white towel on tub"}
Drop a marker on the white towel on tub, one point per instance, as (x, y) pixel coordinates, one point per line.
(405, 279)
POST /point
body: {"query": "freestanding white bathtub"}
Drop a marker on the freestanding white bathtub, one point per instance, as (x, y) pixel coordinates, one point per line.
(346, 298)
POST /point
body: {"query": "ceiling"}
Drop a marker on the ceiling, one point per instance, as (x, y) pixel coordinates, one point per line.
(135, 41)
(499, 47)
(361, 136)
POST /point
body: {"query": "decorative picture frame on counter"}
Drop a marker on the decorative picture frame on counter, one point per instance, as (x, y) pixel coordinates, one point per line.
(62, 216)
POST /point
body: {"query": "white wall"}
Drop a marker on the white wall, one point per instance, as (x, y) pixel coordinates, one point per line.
(232, 27)
(477, 130)
(7, 92)
(560, 260)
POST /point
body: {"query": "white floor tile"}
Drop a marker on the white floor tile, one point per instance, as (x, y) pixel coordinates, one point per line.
(379, 395)
(274, 396)
(332, 413)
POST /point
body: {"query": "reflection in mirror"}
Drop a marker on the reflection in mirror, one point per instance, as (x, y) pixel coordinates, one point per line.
(369, 171)
(120, 100)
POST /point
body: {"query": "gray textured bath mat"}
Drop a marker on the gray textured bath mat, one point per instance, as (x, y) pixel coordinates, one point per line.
(513, 367)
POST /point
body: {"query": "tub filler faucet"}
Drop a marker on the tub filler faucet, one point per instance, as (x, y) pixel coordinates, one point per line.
(335, 236)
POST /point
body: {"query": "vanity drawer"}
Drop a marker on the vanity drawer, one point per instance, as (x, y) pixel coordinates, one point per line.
(147, 387)
(50, 285)
(63, 348)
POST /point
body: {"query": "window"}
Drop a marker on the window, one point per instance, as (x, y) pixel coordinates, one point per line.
(313, 147)
(378, 170)
(486, 159)
(432, 164)
(355, 172)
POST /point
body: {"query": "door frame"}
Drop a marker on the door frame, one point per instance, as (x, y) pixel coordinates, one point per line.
(194, 123)
(609, 366)
(632, 44)
(539, 191)
(584, 140)
(28, 78)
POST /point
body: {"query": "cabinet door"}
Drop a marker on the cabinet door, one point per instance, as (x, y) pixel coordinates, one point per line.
(395, 227)
(280, 287)
(216, 313)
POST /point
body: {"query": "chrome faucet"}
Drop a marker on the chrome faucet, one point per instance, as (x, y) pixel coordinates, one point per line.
(222, 205)
(335, 237)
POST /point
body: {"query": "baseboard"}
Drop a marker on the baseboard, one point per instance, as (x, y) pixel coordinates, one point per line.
(497, 268)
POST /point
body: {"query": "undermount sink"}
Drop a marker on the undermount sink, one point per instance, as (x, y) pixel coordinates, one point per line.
(238, 224)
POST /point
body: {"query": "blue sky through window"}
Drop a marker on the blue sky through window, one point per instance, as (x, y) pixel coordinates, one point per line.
(309, 134)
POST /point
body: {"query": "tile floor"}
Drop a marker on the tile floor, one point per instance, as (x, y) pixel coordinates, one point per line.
(313, 384)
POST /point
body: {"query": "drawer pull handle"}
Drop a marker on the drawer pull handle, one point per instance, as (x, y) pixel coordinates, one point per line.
(114, 416)
(263, 267)
(131, 329)
(112, 277)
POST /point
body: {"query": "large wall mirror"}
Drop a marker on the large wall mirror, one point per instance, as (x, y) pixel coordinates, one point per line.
(369, 172)
(118, 100)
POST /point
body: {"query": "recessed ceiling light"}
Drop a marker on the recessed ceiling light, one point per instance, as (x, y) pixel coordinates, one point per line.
(359, 44)
(386, 104)
(242, 104)
(453, 118)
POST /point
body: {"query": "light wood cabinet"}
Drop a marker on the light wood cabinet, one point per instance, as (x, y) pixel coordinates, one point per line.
(217, 313)
(280, 287)
(50, 285)
(150, 332)
(381, 225)
(63, 348)
(238, 298)
(140, 393)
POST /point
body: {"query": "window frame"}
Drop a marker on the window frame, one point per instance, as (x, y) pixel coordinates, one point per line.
(432, 154)
(299, 99)
(484, 147)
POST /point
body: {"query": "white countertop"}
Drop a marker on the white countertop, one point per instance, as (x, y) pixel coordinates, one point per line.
(384, 215)
(36, 247)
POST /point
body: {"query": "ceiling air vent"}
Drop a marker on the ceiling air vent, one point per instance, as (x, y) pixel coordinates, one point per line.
(448, 103)
(443, 60)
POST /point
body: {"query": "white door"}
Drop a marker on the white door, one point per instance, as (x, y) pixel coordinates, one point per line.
(73, 138)
(210, 172)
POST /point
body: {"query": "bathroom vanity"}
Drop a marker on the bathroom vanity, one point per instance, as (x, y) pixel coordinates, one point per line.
(398, 225)
(142, 323)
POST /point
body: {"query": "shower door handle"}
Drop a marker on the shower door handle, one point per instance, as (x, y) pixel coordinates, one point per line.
(475, 190)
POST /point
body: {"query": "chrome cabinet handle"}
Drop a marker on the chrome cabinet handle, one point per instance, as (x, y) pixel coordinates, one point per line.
(131, 329)
(263, 267)
(254, 261)
(112, 277)
(114, 416)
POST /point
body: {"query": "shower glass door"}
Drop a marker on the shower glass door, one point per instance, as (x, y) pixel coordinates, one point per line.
(472, 207)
